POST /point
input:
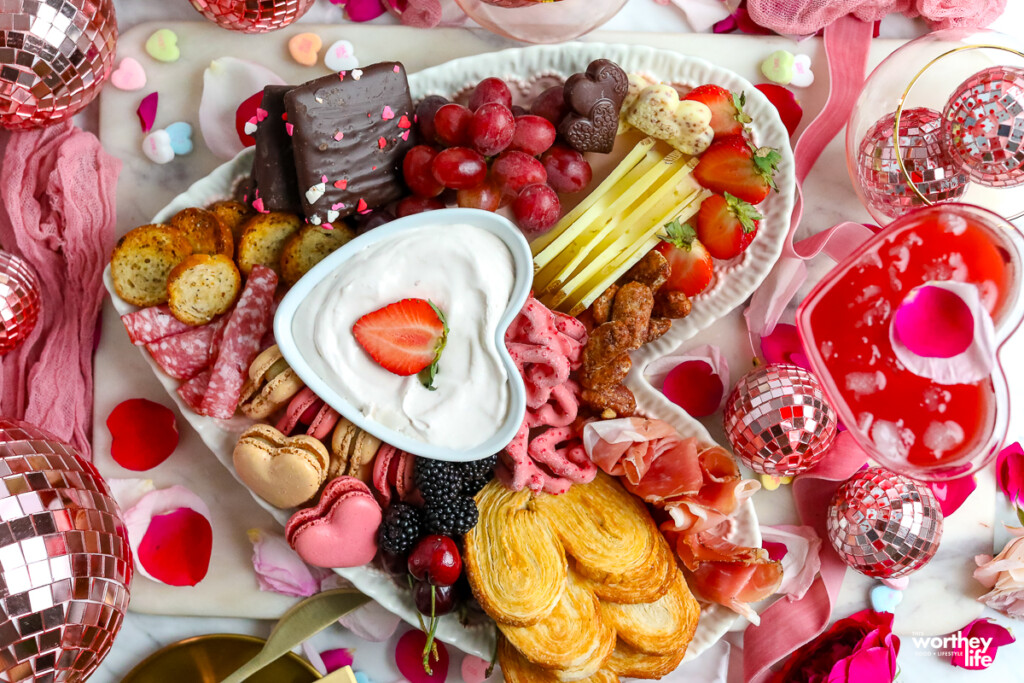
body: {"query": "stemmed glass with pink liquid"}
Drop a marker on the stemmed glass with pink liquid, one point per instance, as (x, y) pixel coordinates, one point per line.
(904, 336)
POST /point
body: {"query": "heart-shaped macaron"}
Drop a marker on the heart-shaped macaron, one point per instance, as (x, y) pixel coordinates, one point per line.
(163, 46)
(305, 47)
(129, 75)
(285, 471)
(885, 599)
(180, 136)
(341, 56)
(341, 531)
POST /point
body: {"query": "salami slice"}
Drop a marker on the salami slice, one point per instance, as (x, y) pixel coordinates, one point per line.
(184, 355)
(152, 324)
(245, 328)
(193, 391)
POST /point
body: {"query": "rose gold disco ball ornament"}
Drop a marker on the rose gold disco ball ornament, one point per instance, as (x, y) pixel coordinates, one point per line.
(983, 126)
(934, 172)
(54, 56)
(252, 16)
(65, 563)
(19, 302)
(883, 524)
(778, 420)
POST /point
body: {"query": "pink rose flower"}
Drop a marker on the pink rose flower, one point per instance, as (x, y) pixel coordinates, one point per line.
(989, 635)
(1004, 576)
(942, 14)
(860, 648)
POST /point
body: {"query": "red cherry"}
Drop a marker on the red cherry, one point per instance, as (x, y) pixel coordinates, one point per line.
(436, 560)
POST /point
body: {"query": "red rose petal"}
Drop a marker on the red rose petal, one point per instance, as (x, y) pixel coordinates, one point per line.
(245, 112)
(147, 111)
(176, 548)
(409, 658)
(695, 387)
(785, 102)
(144, 434)
(335, 659)
(776, 551)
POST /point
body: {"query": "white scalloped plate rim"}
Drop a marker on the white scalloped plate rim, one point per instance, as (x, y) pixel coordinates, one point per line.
(563, 60)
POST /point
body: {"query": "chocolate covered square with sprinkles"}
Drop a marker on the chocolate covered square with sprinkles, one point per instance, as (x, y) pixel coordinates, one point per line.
(273, 165)
(350, 132)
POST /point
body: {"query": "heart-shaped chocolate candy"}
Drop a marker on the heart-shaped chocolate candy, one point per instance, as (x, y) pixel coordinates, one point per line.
(593, 133)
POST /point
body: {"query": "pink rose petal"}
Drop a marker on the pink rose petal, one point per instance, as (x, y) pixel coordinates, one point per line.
(279, 569)
(972, 363)
(175, 533)
(474, 669)
(363, 10)
(934, 322)
(335, 659)
(147, 111)
(227, 82)
(695, 380)
(1010, 472)
(409, 658)
(952, 494)
(371, 622)
(783, 345)
(801, 563)
(983, 655)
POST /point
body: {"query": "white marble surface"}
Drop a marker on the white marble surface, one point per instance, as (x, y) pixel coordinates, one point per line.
(143, 633)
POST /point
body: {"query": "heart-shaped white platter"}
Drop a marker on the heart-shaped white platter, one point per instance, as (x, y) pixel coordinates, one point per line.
(528, 71)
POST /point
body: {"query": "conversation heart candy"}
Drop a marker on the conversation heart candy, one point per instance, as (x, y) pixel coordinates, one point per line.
(180, 137)
(163, 46)
(157, 147)
(304, 48)
(341, 56)
(885, 599)
(129, 75)
(779, 67)
(802, 74)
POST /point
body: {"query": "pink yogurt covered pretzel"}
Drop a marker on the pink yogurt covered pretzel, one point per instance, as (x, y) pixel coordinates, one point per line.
(546, 346)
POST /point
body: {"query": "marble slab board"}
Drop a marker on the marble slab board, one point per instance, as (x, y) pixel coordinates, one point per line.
(941, 597)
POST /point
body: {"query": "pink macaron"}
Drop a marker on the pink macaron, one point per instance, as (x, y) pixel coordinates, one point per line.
(341, 531)
(307, 408)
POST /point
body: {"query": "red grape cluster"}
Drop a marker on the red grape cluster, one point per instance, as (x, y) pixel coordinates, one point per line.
(492, 154)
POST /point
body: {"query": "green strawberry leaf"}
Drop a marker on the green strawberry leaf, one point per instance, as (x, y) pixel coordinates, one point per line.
(744, 212)
(766, 160)
(739, 101)
(428, 373)
(679, 235)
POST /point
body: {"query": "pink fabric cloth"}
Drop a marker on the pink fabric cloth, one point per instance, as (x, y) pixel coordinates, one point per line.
(57, 211)
(786, 624)
(807, 17)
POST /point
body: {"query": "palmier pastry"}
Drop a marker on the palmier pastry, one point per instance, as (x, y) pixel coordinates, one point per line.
(573, 638)
(667, 624)
(516, 564)
(629, 662)
(518, 669)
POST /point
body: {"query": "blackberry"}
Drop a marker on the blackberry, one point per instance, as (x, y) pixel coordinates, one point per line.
(452, 516)
(401, 527)
(476, 474)
(437, 480)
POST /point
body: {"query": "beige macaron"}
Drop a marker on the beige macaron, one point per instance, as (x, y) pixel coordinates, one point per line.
(285, 471)
(352, 452)
(270, 385)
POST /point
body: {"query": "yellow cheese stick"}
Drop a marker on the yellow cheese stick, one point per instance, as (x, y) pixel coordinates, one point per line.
(554, 237)
(596, 286)
(634, 201)
(550, 261)
(672, 194)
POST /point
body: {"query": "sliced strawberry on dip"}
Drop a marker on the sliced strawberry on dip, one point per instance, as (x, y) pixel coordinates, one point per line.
(727, 116)
(690, 262)
(726, 225)
(405, 338)
(733, 165)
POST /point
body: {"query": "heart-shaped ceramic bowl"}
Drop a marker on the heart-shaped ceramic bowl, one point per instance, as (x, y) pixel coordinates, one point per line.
(300, 350)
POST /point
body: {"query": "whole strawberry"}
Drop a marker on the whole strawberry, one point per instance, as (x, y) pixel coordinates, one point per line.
(727, 115)
(726, 225)
(690, 263)
(733, 165)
